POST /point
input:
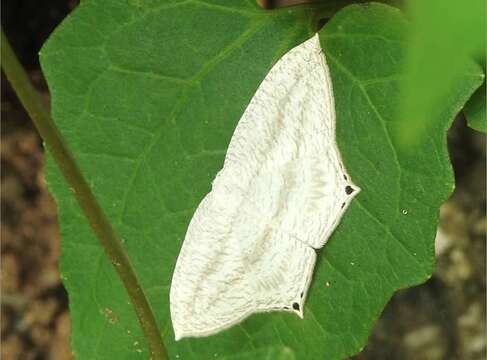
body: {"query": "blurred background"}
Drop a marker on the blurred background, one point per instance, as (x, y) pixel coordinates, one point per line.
(441, 319)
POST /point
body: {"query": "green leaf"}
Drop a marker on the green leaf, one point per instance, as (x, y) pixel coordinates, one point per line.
(147, 95)
(446, 41)
(270, 353)
(475, 110)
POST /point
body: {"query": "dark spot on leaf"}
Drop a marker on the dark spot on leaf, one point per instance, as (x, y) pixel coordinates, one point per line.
(348, 190)
(296, 306)
(345, 177)
(343, 205)
(286, 307)
(302, 293)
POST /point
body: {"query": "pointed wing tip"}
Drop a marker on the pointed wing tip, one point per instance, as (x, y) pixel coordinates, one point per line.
(183, 334)
(300, 314)
(356, 189)
(178, 333)
(351, 189)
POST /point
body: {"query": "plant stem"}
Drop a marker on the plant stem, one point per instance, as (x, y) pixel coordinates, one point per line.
(112, 245)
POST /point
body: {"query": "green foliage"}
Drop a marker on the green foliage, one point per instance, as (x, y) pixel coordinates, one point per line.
(446, 42)
(270, 353)
(147, 95)
(475, 110)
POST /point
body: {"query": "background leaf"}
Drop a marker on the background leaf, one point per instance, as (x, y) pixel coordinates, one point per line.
(446, 40)
(148, 93)
(475, 110)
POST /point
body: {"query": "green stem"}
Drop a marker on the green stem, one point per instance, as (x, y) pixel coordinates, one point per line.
(112, 245)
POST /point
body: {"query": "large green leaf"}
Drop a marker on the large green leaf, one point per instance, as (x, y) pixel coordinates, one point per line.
(270, 353)
(148, 93)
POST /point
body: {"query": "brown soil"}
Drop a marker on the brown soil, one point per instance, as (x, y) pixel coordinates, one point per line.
(35, 320)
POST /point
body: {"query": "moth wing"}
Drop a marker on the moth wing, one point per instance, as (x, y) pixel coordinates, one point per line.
(288, 130)
(232, 264)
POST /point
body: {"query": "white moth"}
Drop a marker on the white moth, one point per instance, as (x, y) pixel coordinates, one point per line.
(250, 246)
